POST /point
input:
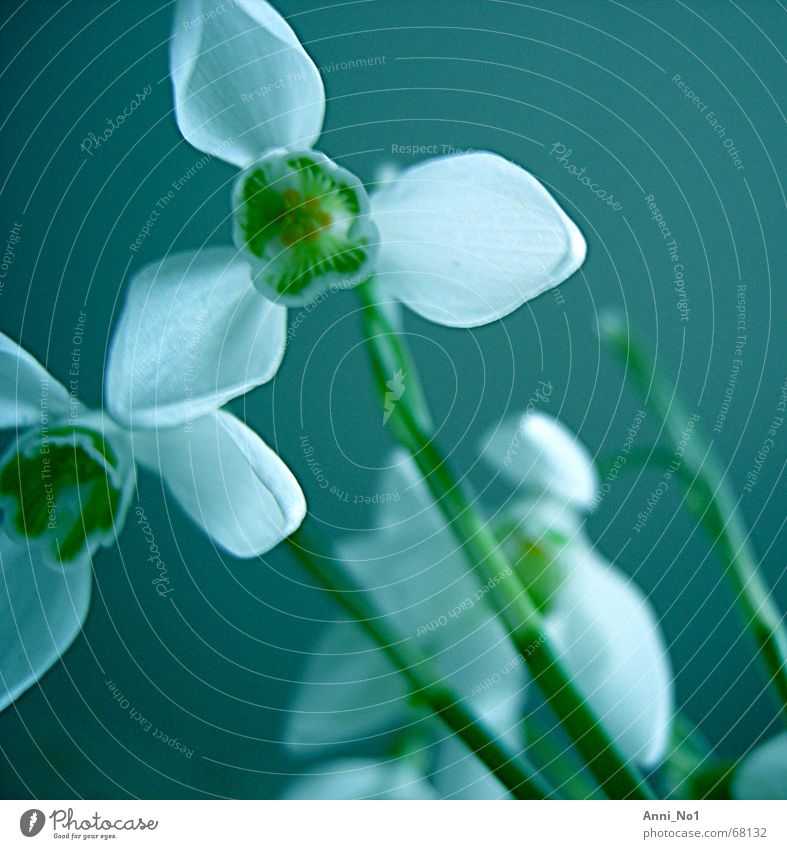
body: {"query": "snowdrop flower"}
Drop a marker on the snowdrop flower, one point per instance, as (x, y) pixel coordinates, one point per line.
(351, 696)
(67, 480)
(603, 628)
(462, 240)
(763, 773)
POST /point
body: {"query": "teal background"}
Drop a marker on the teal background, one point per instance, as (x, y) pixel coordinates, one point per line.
(217, 666)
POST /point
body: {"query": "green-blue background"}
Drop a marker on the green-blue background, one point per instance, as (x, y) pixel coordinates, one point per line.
(217, 667)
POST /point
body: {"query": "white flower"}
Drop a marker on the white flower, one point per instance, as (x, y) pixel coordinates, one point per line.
(461, 240)
(763, 773)
(352, 696)
(604, 629)
(67, 479)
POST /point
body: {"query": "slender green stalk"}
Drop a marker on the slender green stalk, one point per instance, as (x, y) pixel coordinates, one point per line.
(616, 776)
(426, 684)
(714, 505)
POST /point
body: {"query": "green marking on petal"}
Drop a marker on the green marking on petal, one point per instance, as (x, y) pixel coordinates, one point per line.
(304, 224)
(61, 486)
(537, 562)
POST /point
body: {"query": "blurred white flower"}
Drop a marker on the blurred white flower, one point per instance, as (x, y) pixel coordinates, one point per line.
(66, 483)
(602, 626)
(352, 696)
(462, 240)
(763, 772)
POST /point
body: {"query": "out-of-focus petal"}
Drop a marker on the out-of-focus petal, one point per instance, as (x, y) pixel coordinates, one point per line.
(607, 634)
(539, 453)
(763, 772)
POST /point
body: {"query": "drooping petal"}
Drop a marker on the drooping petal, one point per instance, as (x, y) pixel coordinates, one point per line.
(41, 614)
(243, 83)
(362, 778)
(193, 334)
(607, 635)
(29, 395)
(227, 480)
(348, 695)
(763, 772)
(538, 453)
(468, 239)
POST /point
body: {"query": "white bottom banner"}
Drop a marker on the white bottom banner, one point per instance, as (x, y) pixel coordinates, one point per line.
(394, 824)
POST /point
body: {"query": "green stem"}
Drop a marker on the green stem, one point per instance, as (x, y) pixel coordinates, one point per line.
(714, 505)
(617, 777)
(424, 681)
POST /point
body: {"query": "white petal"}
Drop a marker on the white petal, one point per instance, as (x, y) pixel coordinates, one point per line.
(193, 334)
(348, 694)
(242, 81)
(540, 454)
(468, 239)
(608, 637)
(362, 778)
(763, 773)
(228, 480)
(28, 393)
(41, 613)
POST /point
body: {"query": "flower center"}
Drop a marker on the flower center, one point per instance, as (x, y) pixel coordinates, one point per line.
(303, 219)
(60, 486)
(304, 225)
